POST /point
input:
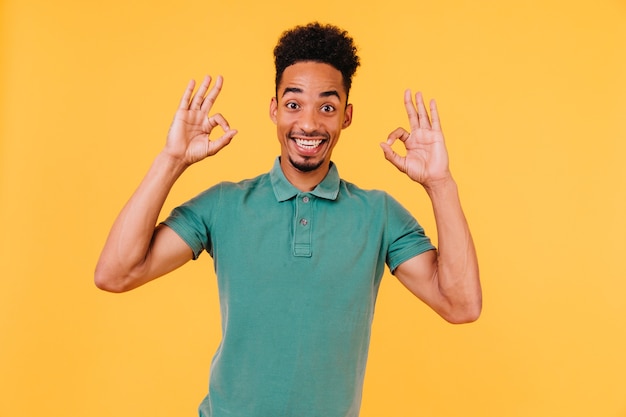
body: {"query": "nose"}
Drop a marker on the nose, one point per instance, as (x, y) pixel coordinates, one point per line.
(308, 120)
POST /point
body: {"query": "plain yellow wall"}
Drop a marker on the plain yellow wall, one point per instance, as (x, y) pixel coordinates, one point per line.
(532, 97)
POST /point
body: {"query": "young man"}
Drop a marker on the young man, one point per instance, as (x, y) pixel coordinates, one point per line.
(298, 252)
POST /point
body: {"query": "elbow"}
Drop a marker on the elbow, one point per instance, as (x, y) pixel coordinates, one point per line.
(467, 313)
(465, 317)
(465, 307)
(109, 282)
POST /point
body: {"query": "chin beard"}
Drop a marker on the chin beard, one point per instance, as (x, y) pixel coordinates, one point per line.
(306, 166)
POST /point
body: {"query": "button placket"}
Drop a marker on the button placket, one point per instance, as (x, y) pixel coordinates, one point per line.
(302, 232)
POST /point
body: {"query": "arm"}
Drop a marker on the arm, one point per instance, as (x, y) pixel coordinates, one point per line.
(448, 279)
(136, 251)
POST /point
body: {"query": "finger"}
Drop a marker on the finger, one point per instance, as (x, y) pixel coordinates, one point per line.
(399, 133)
(434, 115)
(414, 121)
(391, 156)
(209, 100)
(222, 141)
(184, 101)
(422, 114)
(198, 98)
(218, 120)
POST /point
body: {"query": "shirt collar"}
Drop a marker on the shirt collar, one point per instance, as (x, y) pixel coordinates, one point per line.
(284, 190)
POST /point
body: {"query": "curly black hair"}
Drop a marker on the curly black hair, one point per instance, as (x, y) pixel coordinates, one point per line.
(319, 43)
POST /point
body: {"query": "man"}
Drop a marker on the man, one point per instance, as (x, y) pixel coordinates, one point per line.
(298, 252)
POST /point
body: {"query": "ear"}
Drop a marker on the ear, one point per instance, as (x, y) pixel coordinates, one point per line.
(273, 109)
(347, 117)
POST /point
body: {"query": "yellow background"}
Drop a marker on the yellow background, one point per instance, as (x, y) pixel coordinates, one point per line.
(532, 97)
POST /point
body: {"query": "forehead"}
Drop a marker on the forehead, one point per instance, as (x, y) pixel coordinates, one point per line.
(312, 78)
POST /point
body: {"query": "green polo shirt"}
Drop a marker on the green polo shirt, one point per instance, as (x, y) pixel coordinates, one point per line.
(298, 274)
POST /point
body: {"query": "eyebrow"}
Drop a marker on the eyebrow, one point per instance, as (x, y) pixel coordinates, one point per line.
(329, 93)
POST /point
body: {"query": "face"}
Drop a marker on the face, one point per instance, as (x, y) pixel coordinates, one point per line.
(309, 111)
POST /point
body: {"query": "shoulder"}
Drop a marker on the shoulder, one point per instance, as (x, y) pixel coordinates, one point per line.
(230, 189)
(378, 203)
(349, 190)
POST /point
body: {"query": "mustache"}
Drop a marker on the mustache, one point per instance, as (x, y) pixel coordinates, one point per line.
(315, 134)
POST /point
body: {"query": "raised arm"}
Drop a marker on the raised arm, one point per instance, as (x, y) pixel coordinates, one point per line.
(136, 251)
(448, 279)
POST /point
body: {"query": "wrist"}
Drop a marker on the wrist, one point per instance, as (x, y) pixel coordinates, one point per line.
(170, 163)
(441, 184)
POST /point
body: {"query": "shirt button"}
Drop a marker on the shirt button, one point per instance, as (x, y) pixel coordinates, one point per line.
(305, 199)
(304, 222)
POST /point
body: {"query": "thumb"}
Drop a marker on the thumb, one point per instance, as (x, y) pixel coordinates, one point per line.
(219, 143)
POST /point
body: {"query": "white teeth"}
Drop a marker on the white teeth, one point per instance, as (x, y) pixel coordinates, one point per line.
(308, 144)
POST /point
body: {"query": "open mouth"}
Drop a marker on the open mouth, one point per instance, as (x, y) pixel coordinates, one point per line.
(308, 144)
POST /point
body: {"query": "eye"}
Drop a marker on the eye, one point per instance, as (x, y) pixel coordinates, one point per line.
(327, 108)
(292, 105)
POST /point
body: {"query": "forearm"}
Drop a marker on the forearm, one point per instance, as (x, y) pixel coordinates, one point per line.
(128, 244)
(457, 265)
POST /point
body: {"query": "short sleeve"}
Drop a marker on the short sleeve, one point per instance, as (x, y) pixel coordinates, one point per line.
(192, 220)
(405, 237)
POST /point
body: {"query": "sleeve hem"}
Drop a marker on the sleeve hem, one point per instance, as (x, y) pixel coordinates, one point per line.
(184, 233)
(409, 253)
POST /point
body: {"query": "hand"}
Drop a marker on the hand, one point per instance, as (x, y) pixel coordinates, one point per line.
(426, 159)
(188, 137)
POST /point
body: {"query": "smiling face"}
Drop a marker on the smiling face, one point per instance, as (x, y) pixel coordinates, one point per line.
(309, 111)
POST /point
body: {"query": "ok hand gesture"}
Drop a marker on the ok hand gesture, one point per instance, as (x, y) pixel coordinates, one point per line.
(426, 159)
(188, 137)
